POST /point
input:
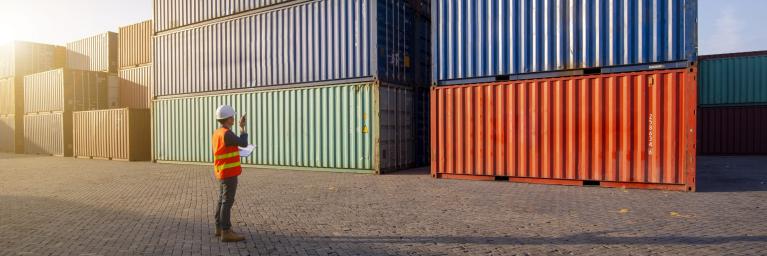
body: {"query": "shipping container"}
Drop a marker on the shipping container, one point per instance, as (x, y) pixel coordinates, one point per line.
(113, 91)
(169, 14)
(136, 87)
(8, 94)
(732, 130)
(136, 44)
(23, 58)
(309, 43)
(324, 128)
(95, 53)
(8, 136)
(733, 79)
(48, 133)
(634, 130)
(481, 41)
(65, 90)
(115, 134)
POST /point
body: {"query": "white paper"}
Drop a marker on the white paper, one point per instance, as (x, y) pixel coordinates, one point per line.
(246, 151)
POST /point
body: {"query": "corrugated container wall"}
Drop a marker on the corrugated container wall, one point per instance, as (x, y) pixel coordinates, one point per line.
(486, 39)
(48, 133)
(8, 133)
(733, 79)
(95, 53)
(24, 58)
(307, 43)
(136, 44)
(327, 127)
(8, 91)
(732, 130)
(119, 134)
(136, 87)
(629, 130)
(171, 14)
(65, 90)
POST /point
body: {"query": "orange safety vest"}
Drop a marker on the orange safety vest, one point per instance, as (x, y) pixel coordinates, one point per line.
(226, 160)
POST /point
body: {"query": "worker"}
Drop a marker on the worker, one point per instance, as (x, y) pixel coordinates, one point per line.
(226, 163)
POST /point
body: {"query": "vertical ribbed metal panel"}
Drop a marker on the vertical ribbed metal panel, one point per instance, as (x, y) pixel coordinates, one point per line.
(112, 134)
(732, 130)
(24, 58)
(398, 136)
(65, 90)
(136, 44)
(48, 134)
(7, 133)
(170, 14)
(95, 53)
(736, 80)
(136, 87)
(626, 128)
(317, 127)
(299, 44)
(8, 96)
(487, 38)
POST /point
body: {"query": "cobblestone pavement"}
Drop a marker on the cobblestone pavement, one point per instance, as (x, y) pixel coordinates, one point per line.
(64, 206)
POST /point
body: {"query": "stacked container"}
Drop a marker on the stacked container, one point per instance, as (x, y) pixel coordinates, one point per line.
(88, 82)
(733, 104)
(581, 92)
(121, 133)
(17, 60)
(327, 85)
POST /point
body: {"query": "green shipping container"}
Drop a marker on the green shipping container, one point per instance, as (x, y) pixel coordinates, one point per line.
(342, 128)
(733, 79)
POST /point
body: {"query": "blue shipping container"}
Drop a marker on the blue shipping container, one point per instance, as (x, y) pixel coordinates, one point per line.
(490, 38)
(302, 44)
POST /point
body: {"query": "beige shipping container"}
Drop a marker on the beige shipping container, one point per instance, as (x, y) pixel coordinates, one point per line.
(9, 138)
(136, 44)
(136, 87)
(9, 91)
(95, 53)
(66, 90)
(24, 58)
(48, 133)
(115, 134)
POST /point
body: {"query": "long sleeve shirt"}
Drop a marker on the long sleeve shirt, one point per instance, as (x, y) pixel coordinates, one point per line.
(230, 139)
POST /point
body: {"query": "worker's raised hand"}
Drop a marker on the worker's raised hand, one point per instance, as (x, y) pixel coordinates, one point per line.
(243, 121)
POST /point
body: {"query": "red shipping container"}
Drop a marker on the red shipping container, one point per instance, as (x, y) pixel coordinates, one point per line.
(633, 130)
(732, 130)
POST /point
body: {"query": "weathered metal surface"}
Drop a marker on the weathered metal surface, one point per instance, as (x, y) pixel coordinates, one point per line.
(474, 39)
(629, 128)
(119, 134)
(48, 133)
(136, 87)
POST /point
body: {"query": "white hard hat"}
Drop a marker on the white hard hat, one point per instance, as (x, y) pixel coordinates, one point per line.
(224, 112)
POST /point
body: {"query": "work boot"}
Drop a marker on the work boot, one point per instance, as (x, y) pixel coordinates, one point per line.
(218, 231)
(230, 236)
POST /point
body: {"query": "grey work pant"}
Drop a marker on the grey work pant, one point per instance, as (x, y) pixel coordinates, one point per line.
(227, 190)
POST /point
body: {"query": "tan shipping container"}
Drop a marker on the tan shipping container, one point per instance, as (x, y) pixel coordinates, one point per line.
(66, 90)
(113, 91)
(9, 138)
(115, 134)
(136, 87)
(95, 53)
(9, 91)
(48, 133)
(136, 44)
(24, 58)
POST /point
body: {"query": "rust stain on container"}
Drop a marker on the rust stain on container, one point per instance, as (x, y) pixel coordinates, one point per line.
(632, 130)
(136, 87)
(119, 134)
(48, 133)
(136, 44)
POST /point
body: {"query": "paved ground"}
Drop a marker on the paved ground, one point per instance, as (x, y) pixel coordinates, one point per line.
(58, 206)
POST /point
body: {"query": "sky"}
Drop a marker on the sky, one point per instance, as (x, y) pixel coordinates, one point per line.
(724, 26)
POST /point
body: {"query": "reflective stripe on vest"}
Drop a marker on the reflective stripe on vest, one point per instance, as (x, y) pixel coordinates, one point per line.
(226, 161)
(227, 166)
(225, 156)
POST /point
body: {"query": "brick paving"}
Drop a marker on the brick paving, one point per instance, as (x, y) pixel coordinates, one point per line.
(63, 206)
